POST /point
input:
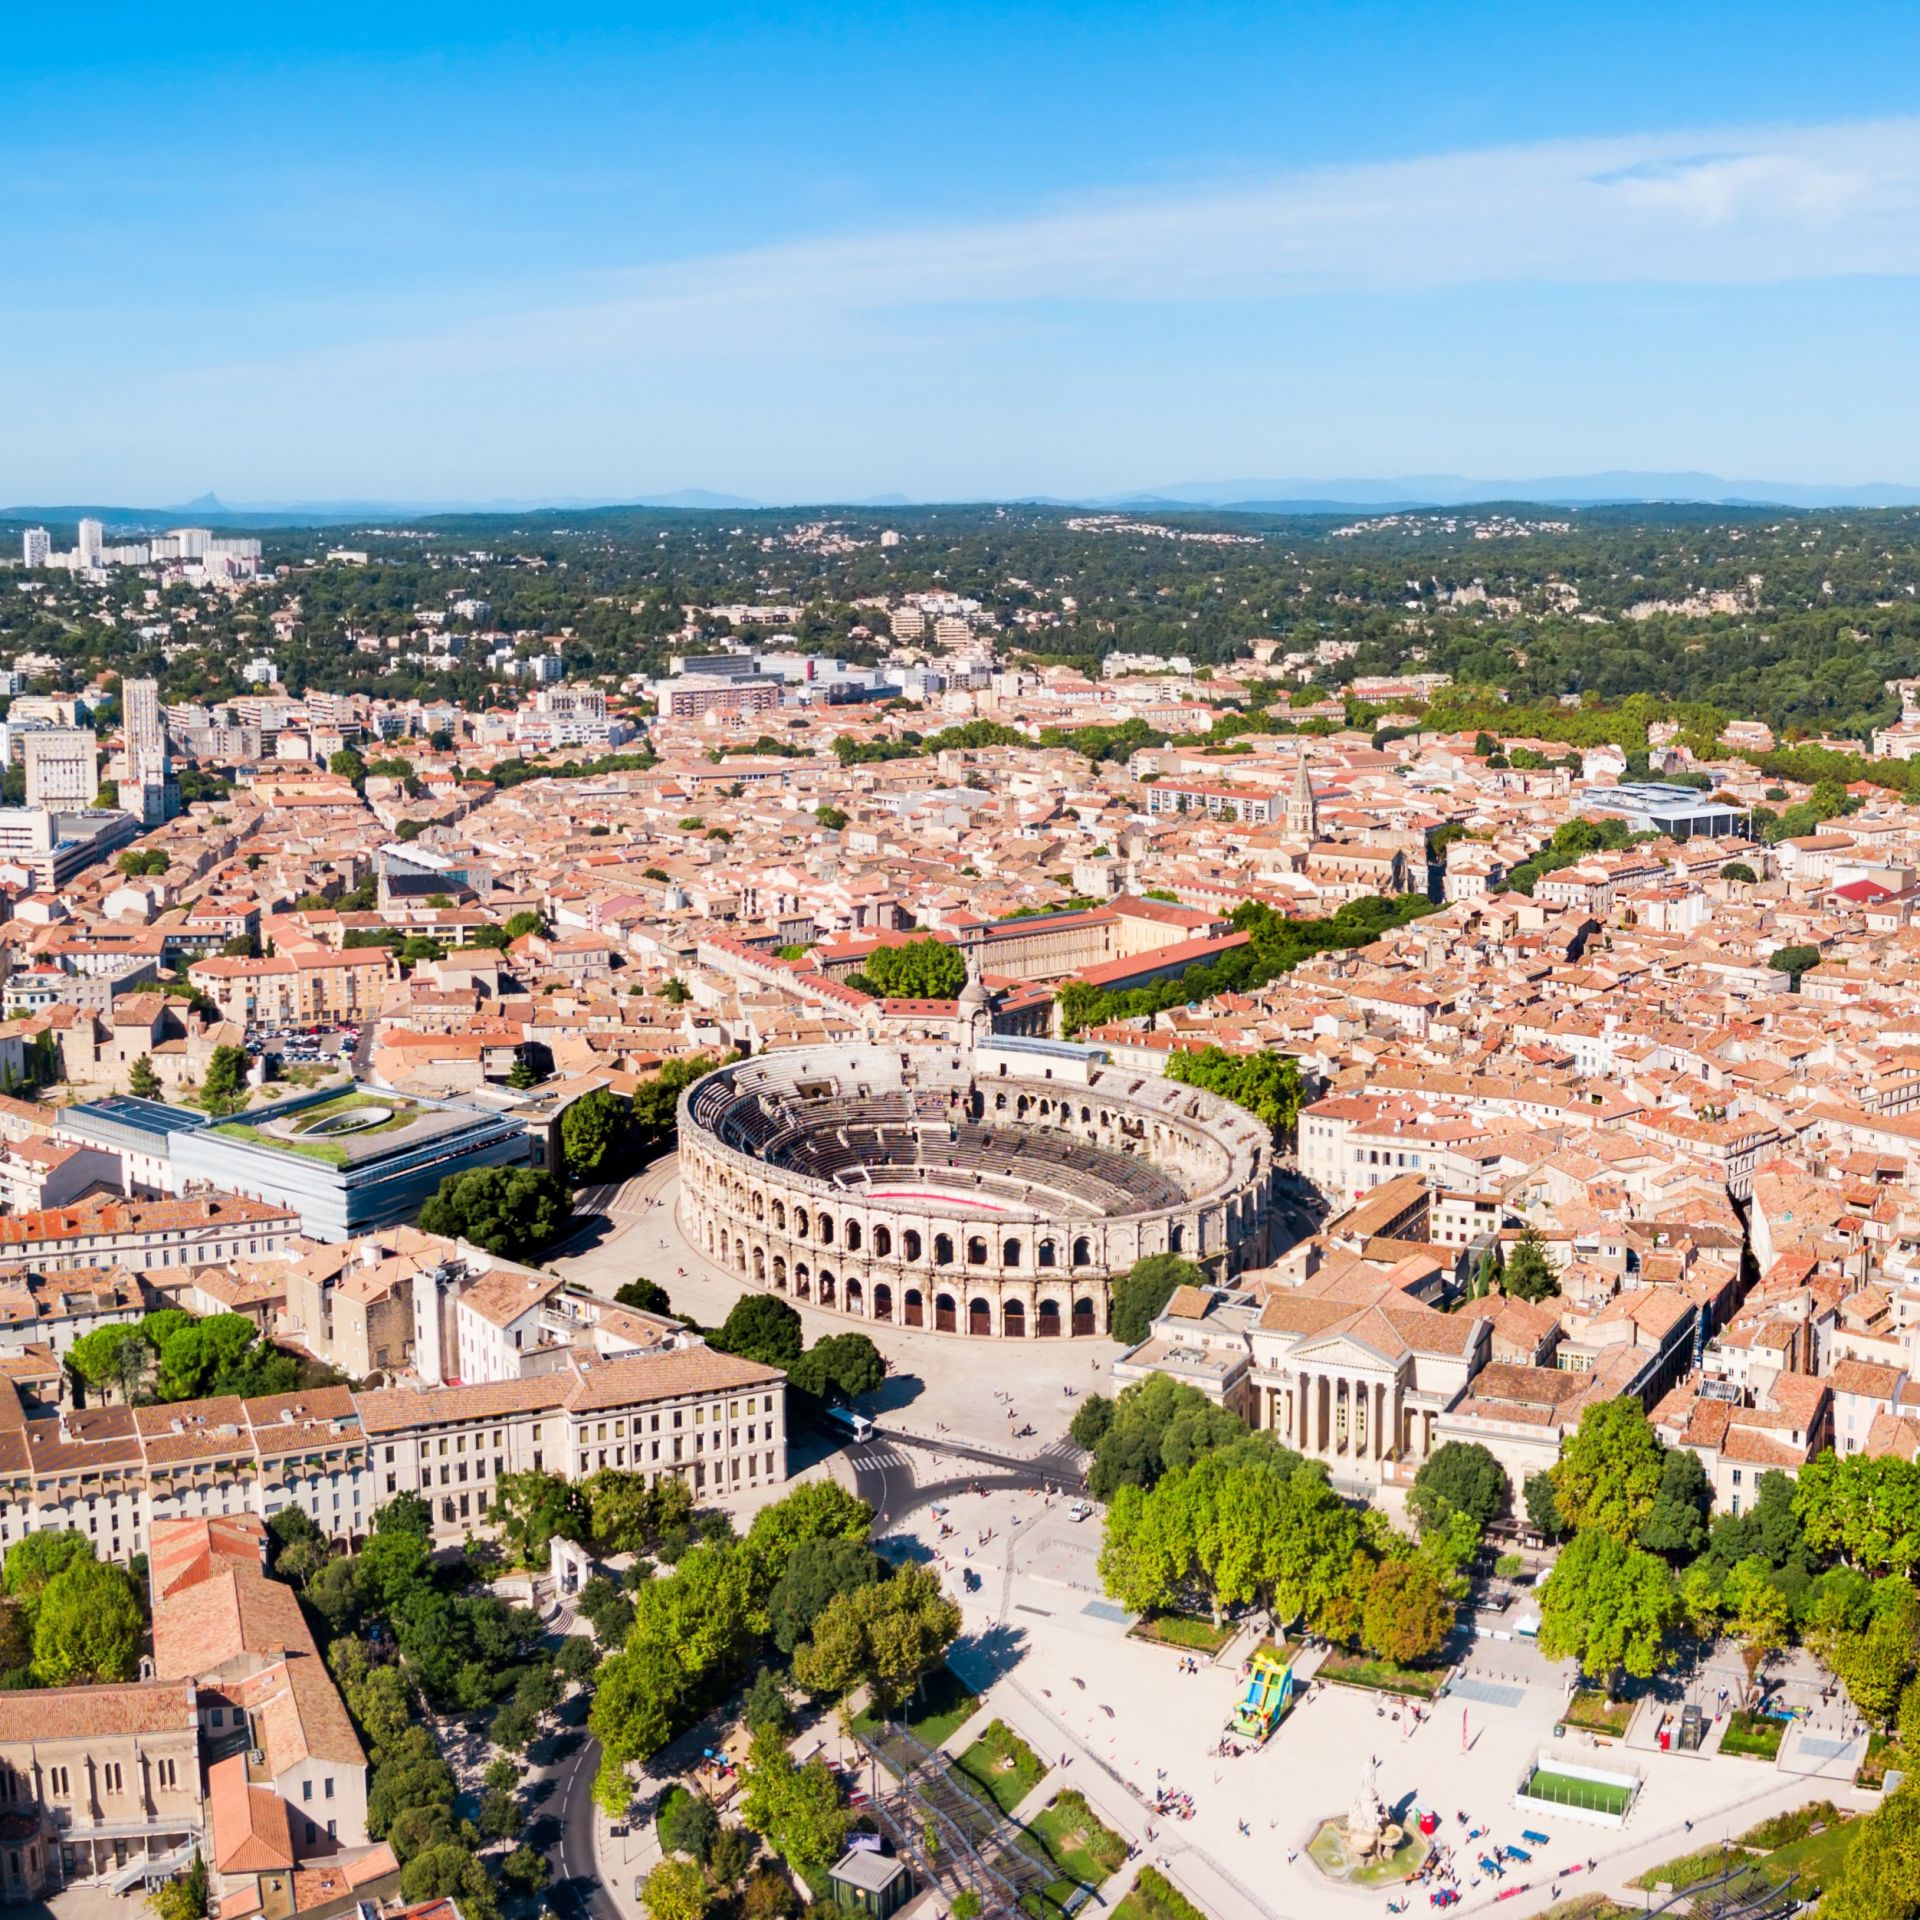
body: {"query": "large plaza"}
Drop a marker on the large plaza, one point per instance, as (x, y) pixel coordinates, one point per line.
(1122, 1720)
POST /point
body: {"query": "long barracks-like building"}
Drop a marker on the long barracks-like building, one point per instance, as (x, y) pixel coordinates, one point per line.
(112, 1473)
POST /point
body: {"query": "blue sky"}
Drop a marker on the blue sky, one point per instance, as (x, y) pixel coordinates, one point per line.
(427, 252)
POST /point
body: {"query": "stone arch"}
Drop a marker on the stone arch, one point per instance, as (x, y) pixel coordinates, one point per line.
(824, 1229)
(799, 1223)
(979, 1316)
(780, 1271)
(910, 1244)
(1176, 1238)
(852, 1237)
(1010, 1251)
(976, 1249)
(803, 1280)
(1047, 1254)
(943, 1313)
(760, 1266)
(999, 1103)
(856, 1295)
(1046, 1320)
(943, 1250)
(779, 1216)
(912, 1308)
(759, 1204)
(882, 1300)
(823, 1287)
(1082, 1251)
(1085, 1321)
(1013, 1319)
(882, 1243)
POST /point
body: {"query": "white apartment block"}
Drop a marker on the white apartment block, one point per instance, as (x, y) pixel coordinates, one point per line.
(63, 768)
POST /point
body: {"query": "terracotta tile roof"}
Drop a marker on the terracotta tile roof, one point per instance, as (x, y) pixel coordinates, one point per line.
(78, 1713)
(251, 1829)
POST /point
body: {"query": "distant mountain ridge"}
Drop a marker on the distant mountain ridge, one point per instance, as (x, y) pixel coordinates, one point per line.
(1405, 493)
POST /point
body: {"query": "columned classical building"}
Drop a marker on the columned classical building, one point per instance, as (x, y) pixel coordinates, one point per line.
(1359, 1383)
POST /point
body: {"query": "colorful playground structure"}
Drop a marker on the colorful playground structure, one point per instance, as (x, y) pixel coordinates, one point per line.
(1269, 1689)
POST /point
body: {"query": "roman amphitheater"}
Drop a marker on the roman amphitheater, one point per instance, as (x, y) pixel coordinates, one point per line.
(990, 1189)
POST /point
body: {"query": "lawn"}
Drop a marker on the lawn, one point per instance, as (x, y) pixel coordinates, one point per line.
(1884, 1756)
(1382, 1676)
(1190, 1632)
(1795, 1849)
(933, 1715)
(400, 1113)
(1002, 1766)
(1753, 1735)
(1154, 1897)
(1070, 1838)
(1568, 1790)
(322, 1150)
(1590, 1708)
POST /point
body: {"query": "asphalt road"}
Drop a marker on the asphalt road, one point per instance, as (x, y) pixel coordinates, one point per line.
(559, 1792)
(884, 1477)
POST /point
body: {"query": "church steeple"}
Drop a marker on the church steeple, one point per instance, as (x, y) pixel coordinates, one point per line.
(1303, 816)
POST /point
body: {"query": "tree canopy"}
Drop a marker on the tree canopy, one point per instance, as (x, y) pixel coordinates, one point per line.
(511, 1211)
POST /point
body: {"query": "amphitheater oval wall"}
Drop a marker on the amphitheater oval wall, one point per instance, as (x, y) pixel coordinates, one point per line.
(987, 1192)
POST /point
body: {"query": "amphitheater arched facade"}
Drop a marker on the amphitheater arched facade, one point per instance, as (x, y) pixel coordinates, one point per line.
(991, 1191)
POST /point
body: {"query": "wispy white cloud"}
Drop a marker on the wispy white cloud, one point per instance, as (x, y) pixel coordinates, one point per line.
(1746, 206)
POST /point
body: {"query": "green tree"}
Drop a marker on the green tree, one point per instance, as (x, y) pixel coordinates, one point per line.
(532, 1510)
(222, 1354)
(818, 1510)
(348, 765)
(1739, 870)
(687, 1824)
(1609, 1473)
(88, 1626)
(644, 1296)
(1463, 1475)
(1266, 1084)
(1794, 962)
(832, 818)
(762, 1327)
(32, 1562)
(142, 1082)
(527, 1870)
(917, 970)
(111, 1359)
(1140, 1295)
(1158, 1425)
(1758, 1616)
(796, 1809)
(887, 1635)
(1863, 1509)
(765, 1706)
(596, 1134)
(185, 1897)
(511, 1211)
(733, 1851)
(818, 1573)
(676, 1890)
(1406, 1616)
(839, 1368)
(224, 1087)
(1543, 1505)
(1528, 1274)
(1879, 1873)
(1609, 1606)
(1676, 1523)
